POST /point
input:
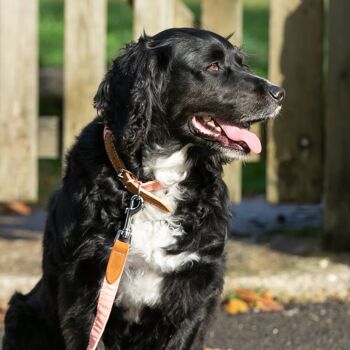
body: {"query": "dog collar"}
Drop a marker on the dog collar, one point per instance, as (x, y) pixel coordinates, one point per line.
(129, 180)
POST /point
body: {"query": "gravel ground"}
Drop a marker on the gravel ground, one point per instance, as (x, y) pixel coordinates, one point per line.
(323, 326)
(290, 268)
(302, 327)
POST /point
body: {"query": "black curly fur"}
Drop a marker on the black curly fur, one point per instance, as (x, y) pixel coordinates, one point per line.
(146, 99)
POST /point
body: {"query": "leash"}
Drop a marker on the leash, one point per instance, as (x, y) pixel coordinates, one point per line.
(115, 267)
(120, 249)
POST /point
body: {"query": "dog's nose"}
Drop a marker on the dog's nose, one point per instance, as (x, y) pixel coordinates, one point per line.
(277, 93)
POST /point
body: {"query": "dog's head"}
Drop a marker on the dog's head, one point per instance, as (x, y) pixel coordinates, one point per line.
(187, 85)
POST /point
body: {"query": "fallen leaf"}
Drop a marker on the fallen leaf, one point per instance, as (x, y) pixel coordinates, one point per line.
(19, 208)
(243, 300)
(247, 295)
(235, 306)
(269, 305)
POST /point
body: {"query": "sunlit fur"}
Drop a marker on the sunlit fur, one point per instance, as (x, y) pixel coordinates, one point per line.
(174, 274)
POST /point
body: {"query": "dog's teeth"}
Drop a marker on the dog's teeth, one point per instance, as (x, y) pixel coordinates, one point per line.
(211, 124)
(206, 118)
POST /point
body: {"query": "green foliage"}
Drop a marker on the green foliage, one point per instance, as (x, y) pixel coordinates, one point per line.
(51, 30)
(119, 27)
(51, 33)
(255, 34)
(195, 7)
(253, 178)
(49, 178)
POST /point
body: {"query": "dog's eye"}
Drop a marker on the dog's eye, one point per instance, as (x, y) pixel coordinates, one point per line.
(214, 67)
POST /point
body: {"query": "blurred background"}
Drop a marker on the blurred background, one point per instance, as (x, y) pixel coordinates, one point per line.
(290, 234)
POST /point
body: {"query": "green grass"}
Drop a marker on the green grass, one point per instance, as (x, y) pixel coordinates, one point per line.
(119, 27)
(254, 178)
(49, 179)
(51, 30)
(255, 34)
(51, 33)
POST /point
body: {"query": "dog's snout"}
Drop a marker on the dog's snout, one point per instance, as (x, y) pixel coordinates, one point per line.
(277, 93)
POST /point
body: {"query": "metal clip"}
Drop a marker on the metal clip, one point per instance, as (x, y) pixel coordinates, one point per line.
(120, 173)
(136, 204)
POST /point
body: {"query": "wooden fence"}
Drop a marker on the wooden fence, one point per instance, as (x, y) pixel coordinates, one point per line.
(295, 143)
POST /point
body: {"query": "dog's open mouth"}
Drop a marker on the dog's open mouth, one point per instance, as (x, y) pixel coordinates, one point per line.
(234, 136)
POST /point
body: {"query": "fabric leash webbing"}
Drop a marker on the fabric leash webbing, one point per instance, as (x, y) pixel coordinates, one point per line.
(108, 291)
(128, 179)
(120, 249)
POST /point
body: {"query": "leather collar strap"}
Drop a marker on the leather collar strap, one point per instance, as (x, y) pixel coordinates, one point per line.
(129, 180)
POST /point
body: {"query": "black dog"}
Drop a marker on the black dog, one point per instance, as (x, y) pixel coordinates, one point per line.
(179, 105)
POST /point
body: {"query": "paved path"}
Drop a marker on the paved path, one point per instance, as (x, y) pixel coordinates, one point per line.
(321, 326)
(302, 327)
(253, 216)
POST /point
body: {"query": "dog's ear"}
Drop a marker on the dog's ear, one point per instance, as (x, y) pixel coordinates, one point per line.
(132, 91)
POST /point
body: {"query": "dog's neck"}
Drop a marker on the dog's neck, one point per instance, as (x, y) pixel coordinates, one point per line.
(167, 168)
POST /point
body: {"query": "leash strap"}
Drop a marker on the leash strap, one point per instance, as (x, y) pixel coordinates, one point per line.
(108, 291)
(120, 249)
(114, 271)
(129, 180)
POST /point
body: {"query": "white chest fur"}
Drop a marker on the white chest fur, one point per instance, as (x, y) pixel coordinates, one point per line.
(152, 232)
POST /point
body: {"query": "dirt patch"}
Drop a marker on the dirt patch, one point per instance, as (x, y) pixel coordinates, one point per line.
(315, 277)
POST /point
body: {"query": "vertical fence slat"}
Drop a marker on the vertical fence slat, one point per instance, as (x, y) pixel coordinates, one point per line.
(84, 62)
(183, 15)
(337, 208)
(294, 160)
(153, 16)
(225, 17)
(18, 99)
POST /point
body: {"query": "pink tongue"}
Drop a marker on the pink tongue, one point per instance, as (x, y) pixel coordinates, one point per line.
(236, 134)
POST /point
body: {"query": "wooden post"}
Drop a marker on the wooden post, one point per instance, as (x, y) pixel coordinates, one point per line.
(18, 100)
(337, 171)
(84, 62)
(294, 150)
(49, 137)
(153, 16)
(225, 17)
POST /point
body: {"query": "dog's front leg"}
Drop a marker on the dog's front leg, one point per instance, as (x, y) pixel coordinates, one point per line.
(191, 334)
(76, 318)
(76, 327)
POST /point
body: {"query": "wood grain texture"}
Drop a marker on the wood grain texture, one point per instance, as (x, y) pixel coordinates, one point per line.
(225, 17)
(294, 149)
(49, 137)
(18, 100)
(337, 170)
(153, 16)
(84, 62)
